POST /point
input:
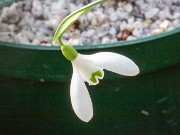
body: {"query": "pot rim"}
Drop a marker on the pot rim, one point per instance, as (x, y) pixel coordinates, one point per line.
(94, 46)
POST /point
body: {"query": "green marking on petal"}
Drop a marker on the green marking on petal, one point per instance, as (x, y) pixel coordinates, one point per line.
(93, 76)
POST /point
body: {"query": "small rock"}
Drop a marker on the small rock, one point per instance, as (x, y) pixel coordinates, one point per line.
(176, 23)
(74, 42)
(83, 20)
(100, 17)
(164, 25)
(110, 10)
(170, 28)
(123, 25)
(27, 19)
(151, 13)
(11, 14)
(157, 31)
(112, 31)
(72, 7)
(40, 35)
(131, 20)
(4, 27)
(86, 41)
(138, 24)
(92, 18)
(125, 34)
(22, 39)
(91, 33)
(28, 5)
(103, 30)
(128, 7)
(137, 32)
(36, 42)
(12, 28)
(123, 15)
(176, 15)
(105, 40)
(29, 34)
(46, 12)
(113, 17)
(37, 9)
(147, 22)
(96, 40)
(131, 38)
(7, 36)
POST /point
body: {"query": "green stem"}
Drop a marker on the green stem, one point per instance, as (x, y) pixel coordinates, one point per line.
(60, 41)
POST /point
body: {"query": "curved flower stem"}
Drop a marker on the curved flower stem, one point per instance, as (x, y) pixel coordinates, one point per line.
(60, 41)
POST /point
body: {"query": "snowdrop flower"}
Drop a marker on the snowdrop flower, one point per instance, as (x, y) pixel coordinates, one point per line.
(89, 68)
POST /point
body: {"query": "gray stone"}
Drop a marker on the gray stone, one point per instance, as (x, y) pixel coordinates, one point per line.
(128, 7)
(37, 9)
(105, 40)
(151, 13)
(113, 17)
(22, 39)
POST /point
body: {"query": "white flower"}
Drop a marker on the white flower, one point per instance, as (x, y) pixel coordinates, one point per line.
(89, 68)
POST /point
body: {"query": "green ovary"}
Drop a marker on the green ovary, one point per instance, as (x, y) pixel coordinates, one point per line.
(69, 52)
(93, 76)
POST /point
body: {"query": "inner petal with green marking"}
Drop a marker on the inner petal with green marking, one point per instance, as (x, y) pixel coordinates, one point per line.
(95, 76)
(89, 72)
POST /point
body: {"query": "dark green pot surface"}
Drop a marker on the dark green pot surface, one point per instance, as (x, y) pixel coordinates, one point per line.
(148, 104)
(47, 63)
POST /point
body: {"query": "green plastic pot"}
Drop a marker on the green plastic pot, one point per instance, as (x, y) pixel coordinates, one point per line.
(35, 81)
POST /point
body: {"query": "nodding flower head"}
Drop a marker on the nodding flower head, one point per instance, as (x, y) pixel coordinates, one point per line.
(89, 68)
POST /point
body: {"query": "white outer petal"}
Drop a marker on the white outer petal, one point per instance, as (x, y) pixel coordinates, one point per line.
(113, 62)
(80, 98)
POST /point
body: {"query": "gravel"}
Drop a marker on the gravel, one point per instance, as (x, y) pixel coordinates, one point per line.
(34, 22)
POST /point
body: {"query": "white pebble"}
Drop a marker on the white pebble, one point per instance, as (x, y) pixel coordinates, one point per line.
(27, 19)
(131, 20)
(157, 31)
(151, 13)
(128, 7)
(138, 32)
(131, 38)
(105, 40)
(72, 7)
(123, 15)
(164, 25)
(91, 33)
(36, 42)
(112, 31)
(37, 9)
(7, 36)
(101, 18)
(113, 17)
(11, 14)
(176, 23)
(110, 10)
(74, 42)
(22, 39)
(92, 18)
